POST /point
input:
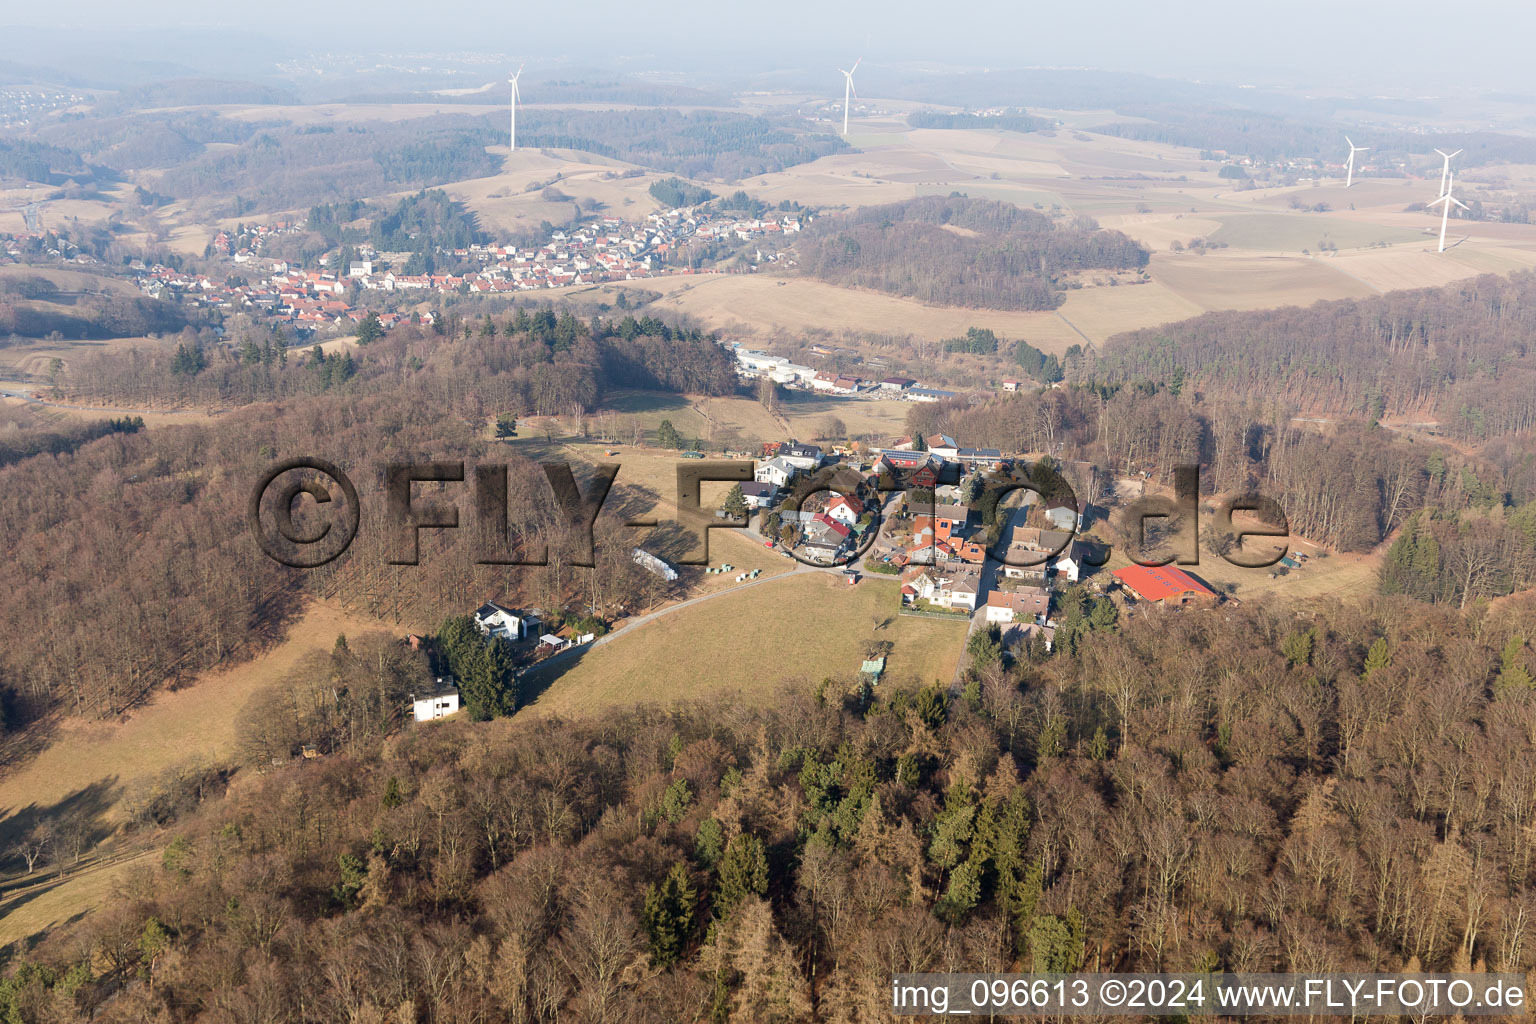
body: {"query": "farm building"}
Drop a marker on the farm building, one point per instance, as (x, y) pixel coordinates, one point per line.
(1167, 585)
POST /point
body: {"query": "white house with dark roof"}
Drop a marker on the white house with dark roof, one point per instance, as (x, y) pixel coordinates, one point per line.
(504, 623)
(759, 494)
(778, 471)
(801, 456)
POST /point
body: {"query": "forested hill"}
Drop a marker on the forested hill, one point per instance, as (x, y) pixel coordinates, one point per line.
(1464, 355)
(959, 251)
(701, 144)
(1249, 790)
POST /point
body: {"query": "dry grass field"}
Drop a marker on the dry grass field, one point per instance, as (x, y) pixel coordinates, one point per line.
(195, 723)
(33, 912)
(1221, 281)
(68, 280)
(759, 305)
(1422, 267)
(1161, 230)
(1293, 232)
(817, 626)
(55, 213)
(31, 360)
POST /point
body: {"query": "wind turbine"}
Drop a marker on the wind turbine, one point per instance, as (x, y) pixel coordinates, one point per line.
(1353, 149)
(512, 81)
(1447, 199)
(1445, 171)
(848, 92)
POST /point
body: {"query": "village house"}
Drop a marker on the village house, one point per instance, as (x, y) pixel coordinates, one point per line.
(504, 623)
(1062, 513)
(759, 494)
(943, 446)
(948, 585)
(801, 456)
(1076, 559)
(824, 536)
(950, 521)
(778, 471)
(1024, 604)
(1019, 636)
(845, 510)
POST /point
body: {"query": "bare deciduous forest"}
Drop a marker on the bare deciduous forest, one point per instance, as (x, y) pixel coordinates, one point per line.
(1459, 355)
(1249, 789)
(960, 252)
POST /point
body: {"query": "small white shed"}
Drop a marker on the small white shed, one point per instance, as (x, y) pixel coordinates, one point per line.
(441, 703)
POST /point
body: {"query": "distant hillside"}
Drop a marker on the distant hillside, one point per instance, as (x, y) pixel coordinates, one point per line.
(1270, 136)
(1011, 120)
(701, 144)
(40, 162)
(958, 251)
(184, 92)
(279, 169)
(551, 91)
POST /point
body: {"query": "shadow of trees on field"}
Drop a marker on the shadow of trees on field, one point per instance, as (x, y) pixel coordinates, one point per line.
(87, 806)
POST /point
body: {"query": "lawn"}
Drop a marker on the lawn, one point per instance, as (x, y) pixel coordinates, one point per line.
(787, 634)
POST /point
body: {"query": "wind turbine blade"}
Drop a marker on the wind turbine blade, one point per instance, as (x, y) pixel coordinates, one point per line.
(845, 74)
(1435, 202)
(1350, 141)
(1363, 149)
(1459, 203)
(1454, 154)
(856, 65)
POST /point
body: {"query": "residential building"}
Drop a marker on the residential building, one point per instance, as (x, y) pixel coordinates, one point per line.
(1024, 604)
(504, 623)
(845, 510)
(801, 456)
(778, 471)
(759, 494)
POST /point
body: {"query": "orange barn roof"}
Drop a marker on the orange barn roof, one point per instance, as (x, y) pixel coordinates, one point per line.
(1157, 583)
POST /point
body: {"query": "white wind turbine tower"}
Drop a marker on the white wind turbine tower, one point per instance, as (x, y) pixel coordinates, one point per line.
(1445, 171)
(1447, 199)
(512, 81)
(848, 92)
(1353, 149)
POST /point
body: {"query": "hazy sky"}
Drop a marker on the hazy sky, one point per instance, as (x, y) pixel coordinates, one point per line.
(1365, 45)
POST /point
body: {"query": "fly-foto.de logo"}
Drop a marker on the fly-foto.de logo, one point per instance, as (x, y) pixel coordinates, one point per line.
(308, 534)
